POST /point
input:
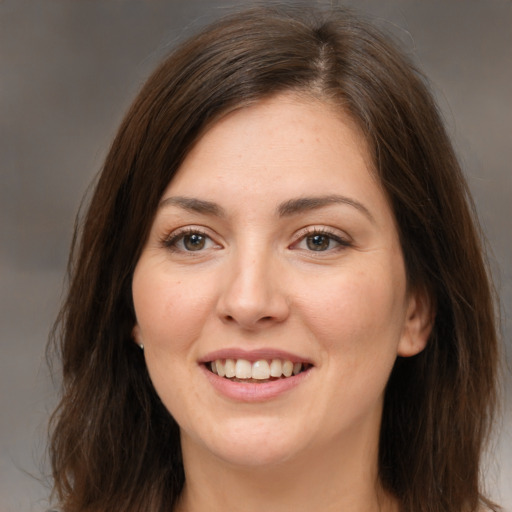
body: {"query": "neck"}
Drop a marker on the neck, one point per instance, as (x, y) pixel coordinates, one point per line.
(343, 477)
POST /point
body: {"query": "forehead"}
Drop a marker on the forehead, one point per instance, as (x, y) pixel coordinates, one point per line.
(283, 140)
(280, 158)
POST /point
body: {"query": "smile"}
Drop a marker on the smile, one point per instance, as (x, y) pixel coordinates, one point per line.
(262, 370)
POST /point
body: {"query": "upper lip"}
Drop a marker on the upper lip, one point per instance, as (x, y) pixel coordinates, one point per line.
(253, 355)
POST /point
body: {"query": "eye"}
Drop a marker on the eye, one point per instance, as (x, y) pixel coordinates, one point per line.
(194, 242)
(320, 241)
(190, 240)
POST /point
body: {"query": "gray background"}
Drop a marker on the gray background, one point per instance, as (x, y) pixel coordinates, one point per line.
(68, 70)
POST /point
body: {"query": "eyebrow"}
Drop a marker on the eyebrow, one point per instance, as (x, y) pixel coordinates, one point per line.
(301, 204)
(286, 209)
(194, 205)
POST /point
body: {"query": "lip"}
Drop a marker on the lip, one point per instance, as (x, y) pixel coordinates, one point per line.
(253, 392)
(253, 355)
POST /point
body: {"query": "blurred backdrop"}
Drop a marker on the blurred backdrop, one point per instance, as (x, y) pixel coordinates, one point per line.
(68, 71)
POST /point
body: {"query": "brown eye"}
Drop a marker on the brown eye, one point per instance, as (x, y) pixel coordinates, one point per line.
(318, 242)
(321, 240)
(194, 242)
(190, 240)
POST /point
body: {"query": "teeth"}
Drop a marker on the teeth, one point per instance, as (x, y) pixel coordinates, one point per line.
(259, 370)
(243, 369)
(229, 368)
(287, 368)
(221, 372)
(276, 368)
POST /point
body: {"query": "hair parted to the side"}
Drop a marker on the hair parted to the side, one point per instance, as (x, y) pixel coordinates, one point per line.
(113, 444)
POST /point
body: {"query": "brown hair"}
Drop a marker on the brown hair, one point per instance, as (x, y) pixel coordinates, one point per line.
(114, 446)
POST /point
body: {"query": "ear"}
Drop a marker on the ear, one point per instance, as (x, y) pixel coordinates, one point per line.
(137, 338)
(418, 325)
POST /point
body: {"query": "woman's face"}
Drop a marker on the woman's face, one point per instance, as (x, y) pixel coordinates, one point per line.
(273, 246)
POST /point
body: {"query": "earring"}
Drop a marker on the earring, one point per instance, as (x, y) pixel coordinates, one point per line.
(141, 345)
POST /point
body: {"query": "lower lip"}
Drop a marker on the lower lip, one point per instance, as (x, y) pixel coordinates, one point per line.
(252, 392)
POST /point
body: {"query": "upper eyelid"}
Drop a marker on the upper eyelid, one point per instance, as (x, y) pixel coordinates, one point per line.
(324, 230)
(342, 240)
(175, 234)
(335, 233)
(183, 230)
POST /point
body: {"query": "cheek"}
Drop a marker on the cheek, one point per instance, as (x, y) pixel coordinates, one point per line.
(169, 310)
(358, 316)
(170, 317)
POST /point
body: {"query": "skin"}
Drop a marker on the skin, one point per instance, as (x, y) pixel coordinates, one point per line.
(256, 283)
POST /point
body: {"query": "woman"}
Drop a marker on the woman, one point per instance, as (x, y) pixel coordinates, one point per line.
(269, 301)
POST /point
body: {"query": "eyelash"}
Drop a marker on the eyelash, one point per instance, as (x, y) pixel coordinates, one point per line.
(310, 232)
(171, 242)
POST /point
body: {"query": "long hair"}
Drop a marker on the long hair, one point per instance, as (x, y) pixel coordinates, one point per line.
(114, 446)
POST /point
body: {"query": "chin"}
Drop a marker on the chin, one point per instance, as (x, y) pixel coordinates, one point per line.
(254, 455)
(260, 443)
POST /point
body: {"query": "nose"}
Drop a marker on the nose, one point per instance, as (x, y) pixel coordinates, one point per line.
(253, 295)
